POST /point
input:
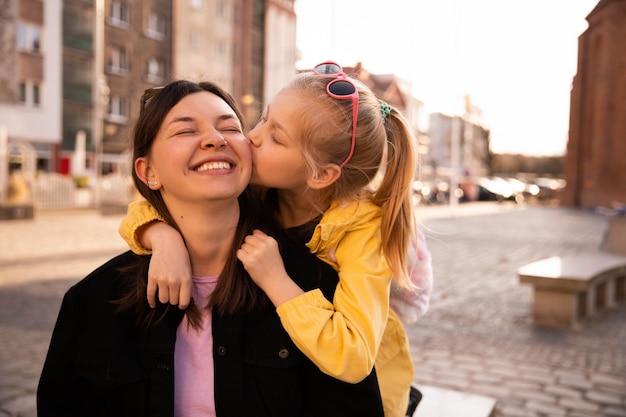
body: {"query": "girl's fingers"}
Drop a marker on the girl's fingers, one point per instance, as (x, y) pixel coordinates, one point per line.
(184, 298)
(151, 293)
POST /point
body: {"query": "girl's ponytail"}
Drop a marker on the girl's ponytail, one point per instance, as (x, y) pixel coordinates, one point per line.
(394, 193)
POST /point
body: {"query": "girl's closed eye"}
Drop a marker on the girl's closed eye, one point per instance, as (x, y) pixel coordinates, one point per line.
(275, 139)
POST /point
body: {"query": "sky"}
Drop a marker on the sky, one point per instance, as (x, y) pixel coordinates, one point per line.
(515, 59)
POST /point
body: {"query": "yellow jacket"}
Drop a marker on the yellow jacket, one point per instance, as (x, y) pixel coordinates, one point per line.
(347, 337)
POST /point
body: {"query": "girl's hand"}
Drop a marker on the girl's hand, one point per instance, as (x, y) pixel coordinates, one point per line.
(260, 256)
(170, 267)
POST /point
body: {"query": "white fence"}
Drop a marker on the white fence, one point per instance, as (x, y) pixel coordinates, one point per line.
(51, 191)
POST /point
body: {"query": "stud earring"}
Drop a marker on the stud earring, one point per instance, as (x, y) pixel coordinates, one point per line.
(153, 183)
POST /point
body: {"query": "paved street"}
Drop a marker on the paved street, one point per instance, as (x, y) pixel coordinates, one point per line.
(476, 338)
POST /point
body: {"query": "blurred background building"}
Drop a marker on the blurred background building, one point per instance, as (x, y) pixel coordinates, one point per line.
(77, 66)
(31, 105)
(72, 73)
(595, 162)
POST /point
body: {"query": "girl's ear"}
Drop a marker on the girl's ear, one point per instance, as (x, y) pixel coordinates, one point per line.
(325, 177)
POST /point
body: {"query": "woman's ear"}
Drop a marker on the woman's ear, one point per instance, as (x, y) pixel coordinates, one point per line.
(145, 174)
(325, 177)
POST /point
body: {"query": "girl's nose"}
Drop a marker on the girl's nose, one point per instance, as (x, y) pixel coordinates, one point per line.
(253, 137)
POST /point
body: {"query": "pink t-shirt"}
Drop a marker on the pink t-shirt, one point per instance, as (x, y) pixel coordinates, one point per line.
(193, 359)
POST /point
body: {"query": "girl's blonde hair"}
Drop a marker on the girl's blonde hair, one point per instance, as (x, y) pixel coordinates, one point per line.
(384, 145)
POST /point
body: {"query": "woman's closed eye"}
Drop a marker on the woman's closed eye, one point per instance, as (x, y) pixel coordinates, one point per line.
(231, 129)
(184, 132)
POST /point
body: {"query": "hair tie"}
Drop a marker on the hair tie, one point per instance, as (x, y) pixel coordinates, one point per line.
(385, 109)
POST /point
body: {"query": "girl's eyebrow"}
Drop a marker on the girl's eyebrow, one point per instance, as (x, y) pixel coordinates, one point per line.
(276, 124)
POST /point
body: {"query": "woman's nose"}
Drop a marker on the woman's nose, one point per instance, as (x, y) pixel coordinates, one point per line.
(214, 140)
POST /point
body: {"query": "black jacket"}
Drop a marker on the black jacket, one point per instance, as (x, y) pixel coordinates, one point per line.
(100, 364)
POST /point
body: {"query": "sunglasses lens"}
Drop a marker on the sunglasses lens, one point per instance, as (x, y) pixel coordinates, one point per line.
(328, 69)
(149, 95)
(341, 88)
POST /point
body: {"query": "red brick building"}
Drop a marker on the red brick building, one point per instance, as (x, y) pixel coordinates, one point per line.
(595, 160)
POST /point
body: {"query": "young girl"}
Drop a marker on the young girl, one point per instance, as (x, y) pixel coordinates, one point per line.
(320, 144)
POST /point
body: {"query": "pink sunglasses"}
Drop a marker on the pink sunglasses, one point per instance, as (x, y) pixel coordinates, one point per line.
(341, 88)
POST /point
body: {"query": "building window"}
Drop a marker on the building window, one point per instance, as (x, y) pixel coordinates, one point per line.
(118, 109)
(196, 4)
(118, 60)
(222, 9)
(119, 13)
(29, 93)
(28, 37)
(196, 40)
(156, 26)
(221, 48)
(36, 99)
(22, 93)
(155, 71)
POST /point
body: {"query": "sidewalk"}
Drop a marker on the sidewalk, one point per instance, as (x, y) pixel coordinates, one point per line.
(39, 260)
(476, 338)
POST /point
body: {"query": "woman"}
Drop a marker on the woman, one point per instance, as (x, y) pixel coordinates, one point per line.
(227, 355)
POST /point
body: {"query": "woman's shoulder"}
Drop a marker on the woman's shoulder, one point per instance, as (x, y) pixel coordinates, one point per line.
(104, 275)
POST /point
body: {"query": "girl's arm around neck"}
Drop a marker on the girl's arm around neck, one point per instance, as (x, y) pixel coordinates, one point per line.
(261, 258)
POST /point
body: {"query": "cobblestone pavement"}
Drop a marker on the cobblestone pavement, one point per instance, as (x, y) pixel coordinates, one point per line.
(476, 338)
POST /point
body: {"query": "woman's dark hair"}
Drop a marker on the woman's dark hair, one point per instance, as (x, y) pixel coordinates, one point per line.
(235, 291)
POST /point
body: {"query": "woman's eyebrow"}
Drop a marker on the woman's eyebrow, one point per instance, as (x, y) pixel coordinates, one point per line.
(228, 117)
(182, 119)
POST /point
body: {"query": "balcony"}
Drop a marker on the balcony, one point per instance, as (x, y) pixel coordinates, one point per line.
(82, 43)
(81, 94)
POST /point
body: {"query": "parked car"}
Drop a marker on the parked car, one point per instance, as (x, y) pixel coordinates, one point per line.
(549, 188)
(488, 189)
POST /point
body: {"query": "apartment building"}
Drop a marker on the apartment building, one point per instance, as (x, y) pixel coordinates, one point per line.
(136, 54)
(594, 162)
(204, 42)
(112, 51)
(265, 52)
(30, 81)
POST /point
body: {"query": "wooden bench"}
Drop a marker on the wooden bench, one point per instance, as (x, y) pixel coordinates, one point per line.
(440, 402)
(569, 288)
(614, 240)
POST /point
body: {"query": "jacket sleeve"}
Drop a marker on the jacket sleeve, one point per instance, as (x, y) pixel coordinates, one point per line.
(58, 383)
(342, 338)
(139, 213)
